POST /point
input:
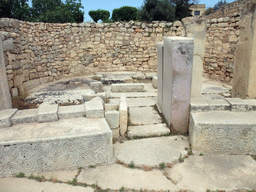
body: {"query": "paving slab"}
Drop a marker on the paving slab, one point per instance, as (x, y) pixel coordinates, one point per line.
(143, 116)
(199, 104)
(215, 172)
(25, 116)
(127, 87)
(213, 96)
(218, 104)
(223, 132)
(28, 185)
(251, 104)
(5, 117)
(63, 176)
(48, 112)
(151, 151)
(117, 176)
(150, 75)
(59, 145)
(136, 102)
(214, 89)
(148, 130)
(72, 111)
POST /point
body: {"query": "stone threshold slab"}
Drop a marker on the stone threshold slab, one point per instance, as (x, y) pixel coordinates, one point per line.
(60, 145)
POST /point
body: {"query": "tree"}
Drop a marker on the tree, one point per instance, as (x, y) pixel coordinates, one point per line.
(219, 4)
(182, 8)
(208, 11)
(154, 10)
(17, 9)
(99, 14)
(55, 11)
(125, 13)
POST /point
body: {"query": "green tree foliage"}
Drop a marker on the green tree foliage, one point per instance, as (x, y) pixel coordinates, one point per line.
(182, 8)
(155, 10)
(125, 13)
(219, 4)
(208, 11)
(53, 11)
(17, 9)
(99, 14)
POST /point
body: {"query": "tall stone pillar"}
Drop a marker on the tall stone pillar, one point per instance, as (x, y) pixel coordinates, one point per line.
(160, 69)
(5, 97)
(196, 28)
(177, 75)
(244, 78)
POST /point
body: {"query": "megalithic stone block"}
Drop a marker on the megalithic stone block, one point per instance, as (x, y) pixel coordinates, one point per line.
(5, 101)
(160, 52)
(123, 115)
(177, 75)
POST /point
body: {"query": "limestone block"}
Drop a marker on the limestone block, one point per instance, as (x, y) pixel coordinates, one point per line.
(94, 108)
(25, 116)
(71, 111)
(222, 132)
(5, 101)
(237, 104)
(218, 104)
(14, 92)
(199, 105)
(150, 75)
(160, 57)
(110, 107)
(244, 77)
(115, 133)
(52, 146)
(177, 75)
(5, 117)
(96, 86)
(154, 82)
(48, 112)
(148, 130)
(251, 103)
(123, 115)
(112, 117)
(127, 87)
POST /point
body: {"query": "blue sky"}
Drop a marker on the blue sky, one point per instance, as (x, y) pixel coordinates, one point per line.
(112, 4)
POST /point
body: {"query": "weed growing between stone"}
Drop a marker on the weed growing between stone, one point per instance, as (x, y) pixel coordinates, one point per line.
(201, 154)
(181, 159)
(131, 165)
(20, 175)
(73, 182)
(122, 189)
(162, 165)
(37, 178)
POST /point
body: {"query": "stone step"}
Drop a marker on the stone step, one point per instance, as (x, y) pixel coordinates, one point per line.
(223, 132)
(127, 87)
(60, 145)
(148, 130)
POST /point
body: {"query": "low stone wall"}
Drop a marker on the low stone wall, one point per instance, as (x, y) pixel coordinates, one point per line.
(49, 51)
(222, 36)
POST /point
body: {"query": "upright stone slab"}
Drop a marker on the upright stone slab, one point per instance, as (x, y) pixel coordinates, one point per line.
(123, 115)
(177, 74)
(196, 28)
(160, 65)
(5, 101)
(244, 79)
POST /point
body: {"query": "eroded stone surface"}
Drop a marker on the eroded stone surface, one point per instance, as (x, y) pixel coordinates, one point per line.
(28, 185)
(151, 151)
(214, 172)
(116, 176)
(148, 130)
(25, 116)
(144, 116)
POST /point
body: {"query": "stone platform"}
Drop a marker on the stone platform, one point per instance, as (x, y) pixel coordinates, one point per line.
(223, 132)
(64, 144)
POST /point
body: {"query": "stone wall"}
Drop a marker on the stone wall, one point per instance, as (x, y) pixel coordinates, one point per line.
(222, 36)
(49, 51)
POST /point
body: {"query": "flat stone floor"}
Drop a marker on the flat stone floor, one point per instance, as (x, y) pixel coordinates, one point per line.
(159, 164)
